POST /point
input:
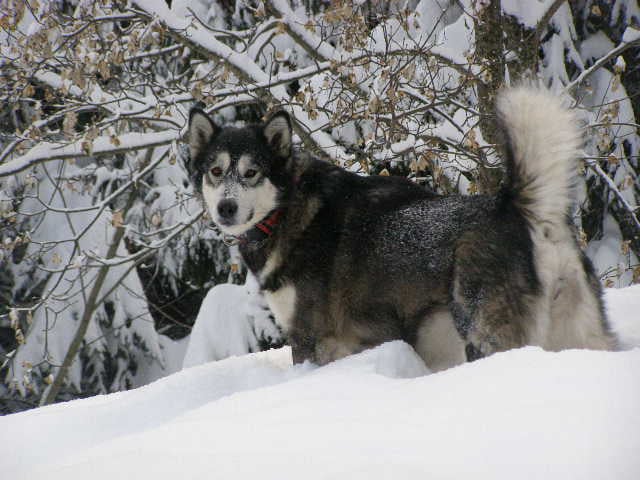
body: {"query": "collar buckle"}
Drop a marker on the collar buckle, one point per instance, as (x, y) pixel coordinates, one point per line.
(230, 240)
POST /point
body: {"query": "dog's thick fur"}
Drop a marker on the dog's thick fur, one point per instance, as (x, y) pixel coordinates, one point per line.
(356, 261)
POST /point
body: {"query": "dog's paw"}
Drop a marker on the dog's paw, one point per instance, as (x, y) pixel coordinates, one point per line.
(473, 353)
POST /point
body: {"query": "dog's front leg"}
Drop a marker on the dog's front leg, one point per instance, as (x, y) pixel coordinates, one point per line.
(302, 346)
(323, 351)
(329, 349)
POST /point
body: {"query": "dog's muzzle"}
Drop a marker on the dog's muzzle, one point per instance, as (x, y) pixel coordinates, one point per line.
(227, 210)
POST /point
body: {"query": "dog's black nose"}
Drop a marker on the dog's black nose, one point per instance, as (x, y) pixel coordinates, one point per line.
(227, 208)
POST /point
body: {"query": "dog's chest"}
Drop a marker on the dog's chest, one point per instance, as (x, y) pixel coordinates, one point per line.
(281, 297)
(282, 303)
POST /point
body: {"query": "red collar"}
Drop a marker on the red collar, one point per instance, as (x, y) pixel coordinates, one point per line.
(268, 224)
(260, 231)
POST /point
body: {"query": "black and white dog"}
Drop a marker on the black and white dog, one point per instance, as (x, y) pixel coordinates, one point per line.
(348, 262)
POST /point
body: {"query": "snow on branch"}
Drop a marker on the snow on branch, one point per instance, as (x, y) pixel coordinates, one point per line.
(543, 23)
(129, 105)
(631, 210)
(45, 151)
(301, 29)
(630, 38)
(203, 41)
(147, 248)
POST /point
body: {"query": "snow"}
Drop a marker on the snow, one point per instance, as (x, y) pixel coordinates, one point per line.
(131, 324)
(521, 414)
(231, 320)
(623, 305)
(595, 46)
(630, 35)
(607, 256)
(620, 65)
(528, 13)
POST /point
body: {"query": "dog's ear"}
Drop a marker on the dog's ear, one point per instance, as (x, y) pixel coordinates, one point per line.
(201, 131)
(277, 130)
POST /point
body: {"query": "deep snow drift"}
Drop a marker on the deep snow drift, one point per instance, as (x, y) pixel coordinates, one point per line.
(520, 414)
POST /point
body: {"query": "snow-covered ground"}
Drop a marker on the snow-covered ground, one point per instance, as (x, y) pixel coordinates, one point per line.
(380, 414)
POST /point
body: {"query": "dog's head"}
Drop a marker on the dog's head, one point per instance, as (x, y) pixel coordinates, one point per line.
(239, 171)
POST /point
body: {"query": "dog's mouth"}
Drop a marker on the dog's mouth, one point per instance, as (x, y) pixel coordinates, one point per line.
(234, 226)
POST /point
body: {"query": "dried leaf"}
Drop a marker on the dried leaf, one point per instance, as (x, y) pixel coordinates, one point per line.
(13, 318)
(156, 219)
(615, 84)
(87, 147)
(624, 248)
(117, 219)
(29, 91)
(69, 123)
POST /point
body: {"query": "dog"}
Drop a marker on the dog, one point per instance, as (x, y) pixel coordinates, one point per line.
(348, 262)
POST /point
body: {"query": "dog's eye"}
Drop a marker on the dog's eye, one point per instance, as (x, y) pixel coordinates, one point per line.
(250, 173)
(216, 171)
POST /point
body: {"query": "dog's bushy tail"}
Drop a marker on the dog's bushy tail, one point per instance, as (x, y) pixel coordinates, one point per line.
(542, 143)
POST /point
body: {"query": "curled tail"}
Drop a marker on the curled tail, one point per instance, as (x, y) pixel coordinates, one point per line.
(542, 143)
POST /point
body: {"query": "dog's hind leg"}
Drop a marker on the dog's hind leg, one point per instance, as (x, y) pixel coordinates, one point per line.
(492, 297)
(487, 326)
(438, 342)
(577, 313)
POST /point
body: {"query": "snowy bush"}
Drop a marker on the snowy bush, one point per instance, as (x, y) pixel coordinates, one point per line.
(105, 255)
(233, 320)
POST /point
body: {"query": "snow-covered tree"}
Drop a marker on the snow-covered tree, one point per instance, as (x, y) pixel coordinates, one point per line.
(104, 248)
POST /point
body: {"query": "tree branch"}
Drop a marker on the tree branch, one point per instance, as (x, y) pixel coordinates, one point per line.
(50, 394)
(634, 40)
(206, 44)
(543, 23)
(104, 145)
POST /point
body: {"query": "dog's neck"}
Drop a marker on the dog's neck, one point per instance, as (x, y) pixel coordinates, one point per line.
(259, 233)
(297, 208)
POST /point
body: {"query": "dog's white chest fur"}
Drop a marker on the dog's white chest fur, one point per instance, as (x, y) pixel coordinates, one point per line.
(282, 303)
